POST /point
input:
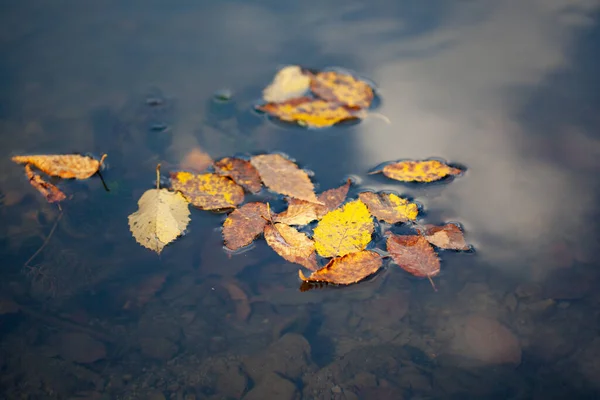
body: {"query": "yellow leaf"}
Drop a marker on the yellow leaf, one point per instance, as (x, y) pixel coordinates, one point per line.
(65, 166)
(389, 207)
(344, 230)
(419, 171)
(290, 82)
(306, 111)
(161, 217)
(340, 88)
(292, 245)
(207, 191)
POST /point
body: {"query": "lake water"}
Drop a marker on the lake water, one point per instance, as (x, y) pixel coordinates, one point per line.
(507, 89)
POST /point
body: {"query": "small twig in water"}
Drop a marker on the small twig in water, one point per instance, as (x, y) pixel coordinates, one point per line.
(26, 265)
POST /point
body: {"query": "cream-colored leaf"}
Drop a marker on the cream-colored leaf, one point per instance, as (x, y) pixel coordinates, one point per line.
(290, 82)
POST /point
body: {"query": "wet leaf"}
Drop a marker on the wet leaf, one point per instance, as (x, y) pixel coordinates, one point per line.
(292, 245)
(348, 269)
(306, 111)
(241, 171)
(414, 254)
(300, 212)
(389, 207)
(139, 296)
(290, 82)
(419, 171)
(65, 166)
(48, 190)
(283, 176)
(344, 230)
(161, 217)
(196, 160)
(207, 191)
(340, 88)
(244, 224)
(448, 236)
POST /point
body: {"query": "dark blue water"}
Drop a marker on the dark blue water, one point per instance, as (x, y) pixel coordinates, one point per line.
(508, 90)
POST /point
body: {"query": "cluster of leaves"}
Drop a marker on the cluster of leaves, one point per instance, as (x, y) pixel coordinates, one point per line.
(312, 229)
(66, 166)
(316, 99)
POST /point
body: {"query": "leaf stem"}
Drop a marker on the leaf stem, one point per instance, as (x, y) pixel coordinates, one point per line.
(432, 284)
(158, 176)
(45, 241)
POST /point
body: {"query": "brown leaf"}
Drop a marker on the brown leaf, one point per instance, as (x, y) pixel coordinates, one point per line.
(48, 190)
(242, 304)
(196, 160)
(448, 236)
(414, 254)
(309, 112)
(207, 191)
(389, 207)
(332, 199)
(342, 88)
(241, 171)
(347, 269)
(292, 245)
(244, 224)
(64, 166)
(283, 176)
(145, 291)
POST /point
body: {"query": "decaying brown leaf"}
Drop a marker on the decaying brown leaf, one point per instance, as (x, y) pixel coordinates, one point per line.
(340, 88)
(241, 171)
(332, 199)
(389, 207)
(290, 82)
(415, 255)
(139, 296)
(419, 171)
(48, 190)
(66, 166)
(244, 224)
(208, 191)
(283, 176)
(196, 160)
(347, 269)
(309, 112)
(448, 236)
(242, 303)
(292, 245)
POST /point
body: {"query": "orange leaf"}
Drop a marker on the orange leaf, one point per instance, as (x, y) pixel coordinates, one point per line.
(292, 245)
(207, 191)
(347, 269)
(419, 171)
(342, 89)
(448, 236)
(283, 176)
(244, 224)
(196, 160)
(48, 190)
(241, 171)
(306, 111)
(414, 254)
(64, 166)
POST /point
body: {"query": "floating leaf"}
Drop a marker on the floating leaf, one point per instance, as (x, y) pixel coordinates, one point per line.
(161, 217)
(306, 111)
(347, 269)
(448, 236)
(419, 171)
(292, 245)
(241, 171)
(414, 254)
(290, 82)
(65, 166)
(340, 88)
(283, 176)
(48, 190)
(389, 207)
(196, 160)
(345, 230)
(300, 212)
(244, 224)
(207, 191)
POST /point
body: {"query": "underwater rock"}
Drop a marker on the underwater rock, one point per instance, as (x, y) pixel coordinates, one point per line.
(273, 386)
(79, 347)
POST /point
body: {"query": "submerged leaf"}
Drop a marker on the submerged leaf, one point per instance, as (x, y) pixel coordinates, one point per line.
(241, 171)
(345, 230)
(448, 236)
(414, 254)
(65, 166)
(244, 224)
(419, 171)
(389, 207)
(207, 191)
(289, 82)
(347, 269)
(340, 88)
(306, 111)
(48, 190)
(292, 245)
(283, 176)
(161, 217)
(196, 160)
